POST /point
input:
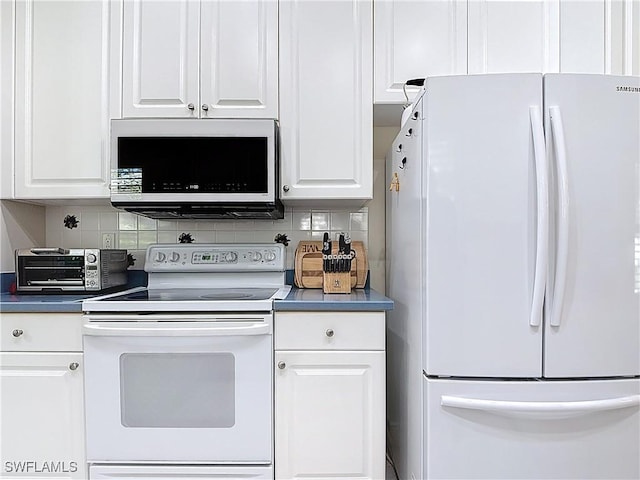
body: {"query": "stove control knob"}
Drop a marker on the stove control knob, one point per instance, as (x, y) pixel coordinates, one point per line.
(230, 257)
(255, 256)
(91, 258)
(174, 257)
(269, 255)
(160, 257)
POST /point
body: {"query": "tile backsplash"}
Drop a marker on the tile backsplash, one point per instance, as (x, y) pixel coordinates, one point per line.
(103, 226)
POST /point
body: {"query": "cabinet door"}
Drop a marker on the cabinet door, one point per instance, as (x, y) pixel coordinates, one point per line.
(329, 414)
(622, 37)
(7, 39)
(415, 39)
(64, 55)
(513, 36)
(239, 59)
(326, 111)
(160, 58)
(42, 411)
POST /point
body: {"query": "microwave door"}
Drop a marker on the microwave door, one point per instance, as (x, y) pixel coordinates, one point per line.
(184, 162)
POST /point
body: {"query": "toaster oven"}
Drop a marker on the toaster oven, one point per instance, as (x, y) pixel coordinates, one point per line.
(58, 270)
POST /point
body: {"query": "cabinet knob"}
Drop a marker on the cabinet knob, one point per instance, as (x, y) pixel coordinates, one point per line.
(191, 107)
(205, 107)
(285, 188)
(16, 333)
(282, 365)
(329, 333)
(74, 366)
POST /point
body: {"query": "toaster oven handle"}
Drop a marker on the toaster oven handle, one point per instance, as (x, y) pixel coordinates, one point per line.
(49, 250)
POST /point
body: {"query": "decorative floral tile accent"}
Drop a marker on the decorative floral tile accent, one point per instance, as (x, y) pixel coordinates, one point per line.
(70, 222)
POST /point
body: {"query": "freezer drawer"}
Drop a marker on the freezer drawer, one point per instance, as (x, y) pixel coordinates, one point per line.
(531, 429)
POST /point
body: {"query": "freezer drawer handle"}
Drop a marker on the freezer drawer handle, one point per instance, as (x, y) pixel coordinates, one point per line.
(541, 410)
(175, 330)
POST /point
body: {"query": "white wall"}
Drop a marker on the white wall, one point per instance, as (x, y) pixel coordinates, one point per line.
(382, 140)
(22, 225)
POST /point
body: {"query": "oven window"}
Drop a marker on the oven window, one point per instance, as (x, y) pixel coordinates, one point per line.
(177, 390)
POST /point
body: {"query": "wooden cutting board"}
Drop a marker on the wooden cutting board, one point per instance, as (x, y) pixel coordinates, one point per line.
(308, 264)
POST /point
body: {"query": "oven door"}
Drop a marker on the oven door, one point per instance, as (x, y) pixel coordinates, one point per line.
(178, 388)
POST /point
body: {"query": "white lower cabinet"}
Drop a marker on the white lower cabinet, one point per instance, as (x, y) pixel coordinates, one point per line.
(329, 395)
(41, 397)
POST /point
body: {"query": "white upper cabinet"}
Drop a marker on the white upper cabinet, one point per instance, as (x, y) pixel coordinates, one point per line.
(513, 36)
(65, 53)
(622, 36)
(6, 101)
(415, 39)
(326, 104)
(206, 59)
(551, 36)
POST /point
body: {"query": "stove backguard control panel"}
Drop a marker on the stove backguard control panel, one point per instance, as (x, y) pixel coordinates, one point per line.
(215, 257)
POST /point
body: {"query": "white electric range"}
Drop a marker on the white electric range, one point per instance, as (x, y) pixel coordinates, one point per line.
(178, 374)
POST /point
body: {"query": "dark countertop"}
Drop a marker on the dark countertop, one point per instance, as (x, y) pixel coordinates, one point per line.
(313, 299)
(41, 303)
(298, 299)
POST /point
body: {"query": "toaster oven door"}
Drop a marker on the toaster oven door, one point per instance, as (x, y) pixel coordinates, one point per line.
(35, 273)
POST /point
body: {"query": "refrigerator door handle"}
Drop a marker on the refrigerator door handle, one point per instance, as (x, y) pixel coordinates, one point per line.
(540, 410)
(562, 256)
(542, 240)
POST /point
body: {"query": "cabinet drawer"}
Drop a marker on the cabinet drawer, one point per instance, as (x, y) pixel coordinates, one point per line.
(329, 331)
(40, 332)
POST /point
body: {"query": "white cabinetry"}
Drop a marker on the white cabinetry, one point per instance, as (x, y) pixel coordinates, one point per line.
(551, 36)
(427, 38)
(416, 39)
(326, 111)
(329, 395)
(208, 59)
(65, 55)
(6, 100)
(513, 36)
(41, 396)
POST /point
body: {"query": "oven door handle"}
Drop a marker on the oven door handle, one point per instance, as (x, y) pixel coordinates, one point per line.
(175, 330)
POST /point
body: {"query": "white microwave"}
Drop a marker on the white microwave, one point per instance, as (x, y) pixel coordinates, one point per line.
(194, 168)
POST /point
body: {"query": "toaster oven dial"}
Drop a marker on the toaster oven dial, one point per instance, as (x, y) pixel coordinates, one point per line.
(91, 258)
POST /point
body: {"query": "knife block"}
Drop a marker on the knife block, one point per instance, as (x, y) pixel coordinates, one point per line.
(308, 265)
(336, 282)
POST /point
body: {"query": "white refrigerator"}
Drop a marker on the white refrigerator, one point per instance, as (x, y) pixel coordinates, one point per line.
(513, 258)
